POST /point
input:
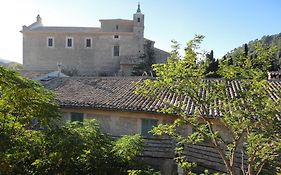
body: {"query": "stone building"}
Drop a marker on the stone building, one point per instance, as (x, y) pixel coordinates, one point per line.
(114, 48)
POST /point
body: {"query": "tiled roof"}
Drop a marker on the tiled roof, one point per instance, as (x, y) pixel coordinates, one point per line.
(110, 93)
(33, 74)
(274, 75)
(118, 93)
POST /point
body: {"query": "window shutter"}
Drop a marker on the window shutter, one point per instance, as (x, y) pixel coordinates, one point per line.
(77, 117)
(147, 125)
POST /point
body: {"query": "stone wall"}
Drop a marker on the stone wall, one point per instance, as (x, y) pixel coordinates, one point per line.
(96, 60)
(116, 25)
(160, 55)
(118, 123)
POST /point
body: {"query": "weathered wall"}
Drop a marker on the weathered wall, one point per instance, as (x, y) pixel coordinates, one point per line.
(160, 55)
(126, 69)
(98, 59)
(110, 25)
(118, 123)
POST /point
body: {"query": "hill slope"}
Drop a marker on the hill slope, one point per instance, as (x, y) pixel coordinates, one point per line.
(267, 40)
(10, 64)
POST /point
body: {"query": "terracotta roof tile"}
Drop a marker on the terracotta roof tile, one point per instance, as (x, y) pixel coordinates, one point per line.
(117, 93)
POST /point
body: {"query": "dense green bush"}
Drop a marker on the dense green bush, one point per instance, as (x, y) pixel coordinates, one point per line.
(128, 147)
(32, 143)
(24, 106)
(74, 148)
(143, 172)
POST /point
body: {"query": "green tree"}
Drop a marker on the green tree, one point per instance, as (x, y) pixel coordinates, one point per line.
(73, 148)
(76, 148)
(269, 40)
(248, 113)
(128, 147)
(22, 102)
(24, 105)
(31, 142)
(147, 59)
(246, 49)
(211, 70)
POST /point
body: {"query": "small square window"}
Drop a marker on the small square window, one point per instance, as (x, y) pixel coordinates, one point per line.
(138, 19)
(116, 51)
(147, 125)
(116, 27)
(75, 116)
(50, 42)
(88, 42)
(116, 36)
(69, 42)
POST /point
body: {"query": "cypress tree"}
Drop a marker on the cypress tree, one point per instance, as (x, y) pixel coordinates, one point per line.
(246, 49)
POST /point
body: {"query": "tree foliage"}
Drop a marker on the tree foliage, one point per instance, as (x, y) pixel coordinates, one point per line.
(147, 59)
(31, 142)
(88, 151)
(211, 70)
(143, 172)
(24, 105)
(128, 147)
(269, 40)
(245, 121)
(73, 148)
(22, 102)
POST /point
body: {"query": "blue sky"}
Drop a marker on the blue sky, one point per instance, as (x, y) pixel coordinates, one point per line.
(225, 23)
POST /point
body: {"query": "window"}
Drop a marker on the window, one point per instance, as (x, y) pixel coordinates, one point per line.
(69, 42)
(116, 51)
(138, 19)
(147, 125)
(50, 42)
(116, 27)
(116, 36)
(75, 116)
(88, 42)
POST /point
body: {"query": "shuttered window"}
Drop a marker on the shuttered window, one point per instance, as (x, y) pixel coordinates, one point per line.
(116, 51)
(69, 42)
(147, 125)
(75, 116)
(88, 42)
(50, 42)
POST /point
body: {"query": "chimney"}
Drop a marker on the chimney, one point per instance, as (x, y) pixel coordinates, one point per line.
(59, 64)
(38, 19)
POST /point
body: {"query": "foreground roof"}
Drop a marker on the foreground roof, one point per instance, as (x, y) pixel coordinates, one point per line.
(108, 93)
(117, 93)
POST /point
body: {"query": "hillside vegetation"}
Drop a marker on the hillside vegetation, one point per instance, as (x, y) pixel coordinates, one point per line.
(11, 64)
(266, 41)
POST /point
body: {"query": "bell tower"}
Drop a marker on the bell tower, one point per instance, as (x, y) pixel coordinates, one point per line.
(139, 29)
